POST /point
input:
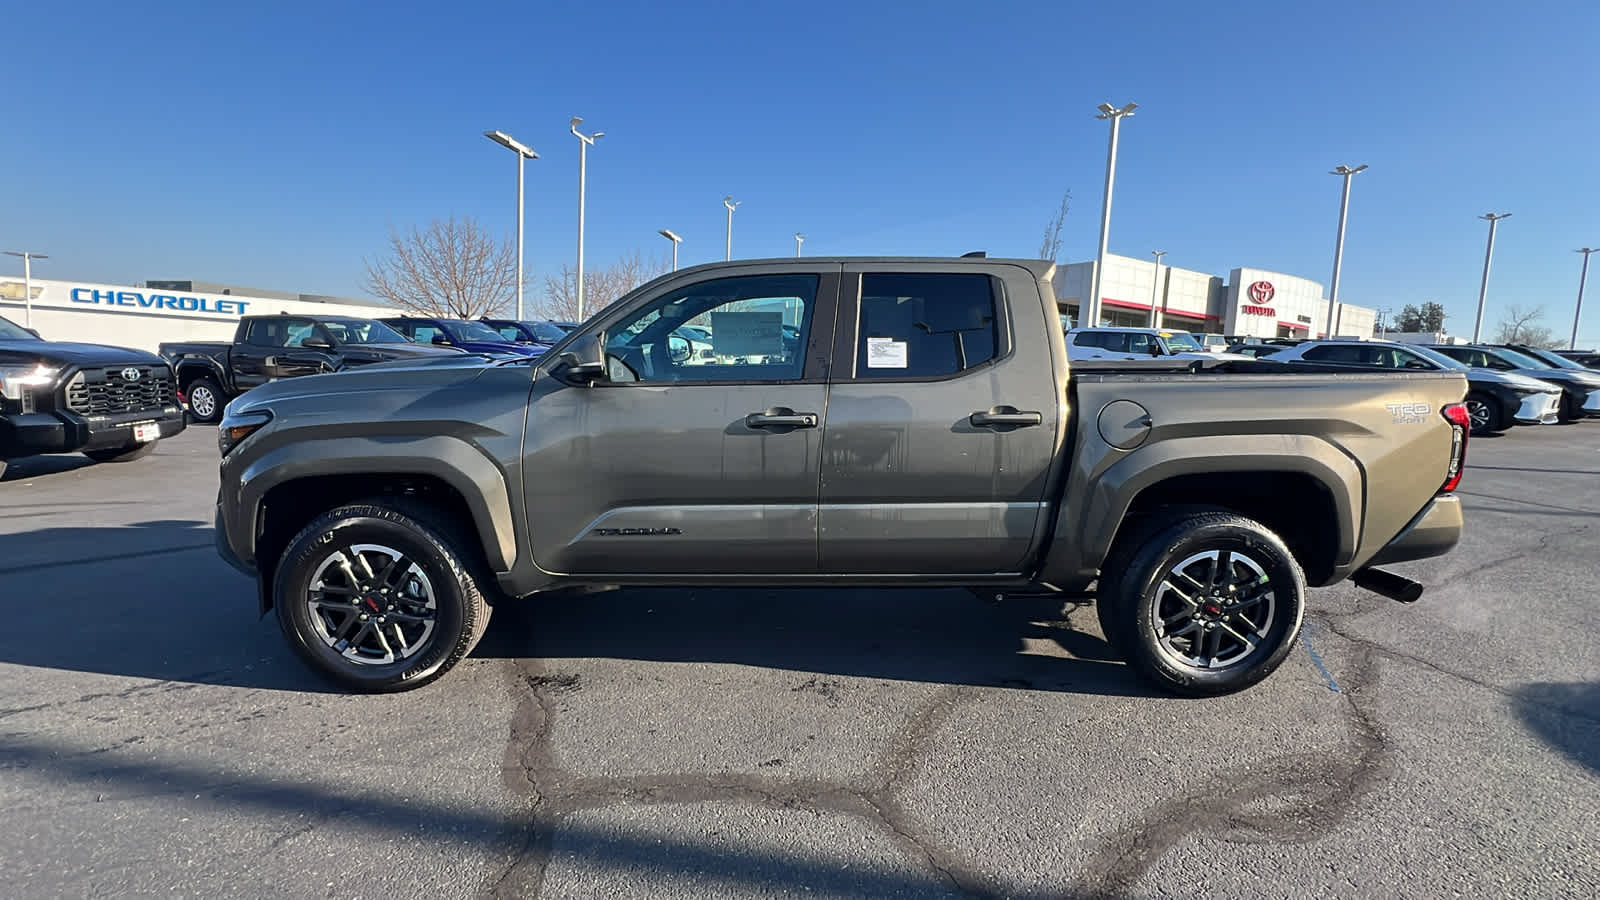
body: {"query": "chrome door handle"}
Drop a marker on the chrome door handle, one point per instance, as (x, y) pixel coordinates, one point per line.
(780, 417)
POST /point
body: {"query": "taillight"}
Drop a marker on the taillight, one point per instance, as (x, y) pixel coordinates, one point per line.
(1460, 424)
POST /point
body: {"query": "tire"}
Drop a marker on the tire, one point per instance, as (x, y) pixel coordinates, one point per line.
(1160, 575)
(1485, 414)
(122, 454)
(1569, 411)
(443, 572)
(206, 401)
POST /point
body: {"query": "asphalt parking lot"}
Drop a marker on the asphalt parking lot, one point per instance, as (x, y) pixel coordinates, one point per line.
(156, 737)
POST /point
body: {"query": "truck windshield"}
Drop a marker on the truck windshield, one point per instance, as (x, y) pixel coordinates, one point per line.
(1180, 342)
(10, 331)
(362, 331)
(1437, 358)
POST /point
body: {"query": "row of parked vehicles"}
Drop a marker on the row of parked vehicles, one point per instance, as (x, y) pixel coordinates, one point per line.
(1508, 384)
(269, 347)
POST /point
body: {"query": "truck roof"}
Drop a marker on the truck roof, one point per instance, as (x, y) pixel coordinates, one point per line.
(1041, 268)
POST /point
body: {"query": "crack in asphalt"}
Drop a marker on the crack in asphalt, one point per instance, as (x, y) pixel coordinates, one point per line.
(530, 772)
(1289, 798)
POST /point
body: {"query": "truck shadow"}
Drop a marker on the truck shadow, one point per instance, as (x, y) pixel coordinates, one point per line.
(944, 636)
(1566, 716)
(153, 600)
(42, 466)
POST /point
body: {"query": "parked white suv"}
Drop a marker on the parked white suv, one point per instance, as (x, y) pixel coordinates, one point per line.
(1137, 343)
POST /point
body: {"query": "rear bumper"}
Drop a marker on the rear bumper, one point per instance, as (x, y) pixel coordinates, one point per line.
(1434, 532)
(30, 434)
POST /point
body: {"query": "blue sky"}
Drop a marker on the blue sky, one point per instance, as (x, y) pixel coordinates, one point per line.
(274, 144)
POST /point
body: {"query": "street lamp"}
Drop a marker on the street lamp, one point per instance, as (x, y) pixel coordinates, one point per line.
(523, 153)
(675, 242)
(1154, 284)
(1344, 172)
(1115, 115)
(584, 143)
(1488, 254)
(728, 202)
(1582, 279)
(28, 257)
(798, 240)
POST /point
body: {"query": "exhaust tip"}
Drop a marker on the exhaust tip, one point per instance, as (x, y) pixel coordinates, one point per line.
(1388, 584)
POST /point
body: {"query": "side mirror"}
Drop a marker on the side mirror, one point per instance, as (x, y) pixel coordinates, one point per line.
(678, 348)
(584, 359)
(1155, 349)
(316, 343)
(440, 340)
(34, 332)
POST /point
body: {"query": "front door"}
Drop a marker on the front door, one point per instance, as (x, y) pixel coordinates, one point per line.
(698, 453)
(941, 434)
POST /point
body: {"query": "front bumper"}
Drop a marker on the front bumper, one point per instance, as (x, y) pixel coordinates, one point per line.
(1433, 532)
(29, 434)
(1539, 409)
(1591, 404)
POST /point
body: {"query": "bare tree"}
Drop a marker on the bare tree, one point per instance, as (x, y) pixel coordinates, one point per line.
(601, 287)
(1521, 326)
(1050, 247)
(449, 269)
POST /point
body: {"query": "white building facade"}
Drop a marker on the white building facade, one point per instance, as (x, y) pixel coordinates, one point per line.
(142, 318)
(1250, 302)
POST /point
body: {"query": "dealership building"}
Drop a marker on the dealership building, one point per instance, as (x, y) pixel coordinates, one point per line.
(144, 316)
(1249, 302)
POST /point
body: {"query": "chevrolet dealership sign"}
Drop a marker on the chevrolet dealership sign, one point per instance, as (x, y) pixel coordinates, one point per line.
(160, 302)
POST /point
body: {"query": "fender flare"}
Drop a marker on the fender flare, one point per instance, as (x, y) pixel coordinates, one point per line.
(457, 463)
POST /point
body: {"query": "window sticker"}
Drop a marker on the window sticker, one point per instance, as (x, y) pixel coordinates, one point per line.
(885, 353)
(747, 333)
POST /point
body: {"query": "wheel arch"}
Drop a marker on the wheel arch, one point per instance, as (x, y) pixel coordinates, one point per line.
(188, 371)
(287, 487)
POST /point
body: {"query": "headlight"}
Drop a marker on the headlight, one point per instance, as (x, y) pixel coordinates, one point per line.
(13, 378)
(235, 428)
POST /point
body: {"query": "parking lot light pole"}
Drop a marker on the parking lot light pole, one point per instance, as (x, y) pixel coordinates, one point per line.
(675, 242)
(584, 143)
(1155, 285)
(1483, 287)
(1577, 313)
(1338, 245)
(728, 202)
(28, 257)
(1107, 111)
(798, 240)
(523, 153)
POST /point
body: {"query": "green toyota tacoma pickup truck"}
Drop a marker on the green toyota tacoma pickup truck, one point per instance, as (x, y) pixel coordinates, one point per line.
(847, 421)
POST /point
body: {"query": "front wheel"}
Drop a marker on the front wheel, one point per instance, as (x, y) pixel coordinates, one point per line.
(1208, 604)
(1484, 414)
(380, 596)
(122, 454)
(205, 400)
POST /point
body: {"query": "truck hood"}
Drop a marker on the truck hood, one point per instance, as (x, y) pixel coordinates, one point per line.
(60, 353)
(1566, 377)
(398, 351)
(421, 372)
(501, 347)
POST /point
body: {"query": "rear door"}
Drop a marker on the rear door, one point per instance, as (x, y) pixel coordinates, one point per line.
(692, 456)
(941, 424)
(262, 339)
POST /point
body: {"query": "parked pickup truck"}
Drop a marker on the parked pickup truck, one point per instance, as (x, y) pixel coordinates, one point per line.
(919, 427)
(266, 348)
(112, 404)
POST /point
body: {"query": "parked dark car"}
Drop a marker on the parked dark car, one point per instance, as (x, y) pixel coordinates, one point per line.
(1256, 351)
(473, 337)
(112, 404)
(1580, 387)
(266, 348)
(1495, 400)
(532, 332)
(1587, 358)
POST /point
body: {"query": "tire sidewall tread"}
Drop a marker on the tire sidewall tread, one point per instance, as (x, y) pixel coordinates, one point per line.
(411, 527)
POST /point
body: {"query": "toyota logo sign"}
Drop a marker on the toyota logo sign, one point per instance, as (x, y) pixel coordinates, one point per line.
(1261, 292)
(131, 374)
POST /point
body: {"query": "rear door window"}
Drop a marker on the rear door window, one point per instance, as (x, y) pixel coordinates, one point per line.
(924, 325)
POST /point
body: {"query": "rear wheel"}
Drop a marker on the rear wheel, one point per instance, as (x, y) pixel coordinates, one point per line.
(380, 596)
(1484, 413)
(122, 454)
(205, 400)
(1207, 604)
